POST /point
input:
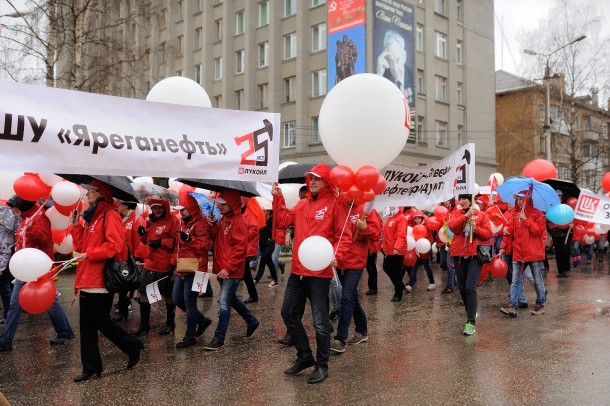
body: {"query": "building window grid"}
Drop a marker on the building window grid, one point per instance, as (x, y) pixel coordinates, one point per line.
(179, 11)
(180, 45)
(459, 10)
(421, 130)
(458, 136)
(318, 83)
(290, 7)
(239, 99)
(198, 6)
(318, 37)
(198, 73)
(217, 101)
(289, 139)
(263, 95)
(239, 22)
(315, 133)
(290, 45)
(441, 134)
(240, 61)
(441, 89)
(218, 30)
(218, 68)
(317, 2)
(263, 13)
(458, 52)
(441, 45)
(263, 54)
(198, 37)
(419, 38)
(460, 94)
(421, 82)
(290, 88)
(440, 7)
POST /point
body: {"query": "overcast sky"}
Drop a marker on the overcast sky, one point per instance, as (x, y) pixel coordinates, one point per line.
(515, 15)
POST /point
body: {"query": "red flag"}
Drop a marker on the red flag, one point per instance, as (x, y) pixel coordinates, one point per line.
(496, 216)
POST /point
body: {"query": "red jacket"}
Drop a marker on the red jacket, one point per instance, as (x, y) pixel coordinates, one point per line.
(395, 235)
(529, 235)
(131, 224)
(38, 234)
(198, 228)
(358, 250)
(374, 244)
(102, 238)
(460, 244)
(165, 228)
(324, 216)
(230, 237)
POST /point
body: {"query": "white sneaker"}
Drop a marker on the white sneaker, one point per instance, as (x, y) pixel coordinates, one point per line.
(408, 288)
(431, 286)
(273, 284)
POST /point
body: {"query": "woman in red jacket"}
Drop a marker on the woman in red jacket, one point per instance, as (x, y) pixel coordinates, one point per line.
(423, 259)
(463, 222)
(394, 248)
(102, 237)
(195, 242)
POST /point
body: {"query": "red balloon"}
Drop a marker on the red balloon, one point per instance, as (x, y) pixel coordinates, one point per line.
(419, 231)
(484, 273)
(440, 212)
(58, 235)
(579, 232)
(65, 210)
(342, 177)
(433, 224)
(367, 195)
(540, 169)
(184, 189)
(410, 258)
(354, 191)
(498, 267)
(606, 181)
(31, 187)
(346, 197)
(380, 186)
(37, 296)
(572, 202)
(366, 177)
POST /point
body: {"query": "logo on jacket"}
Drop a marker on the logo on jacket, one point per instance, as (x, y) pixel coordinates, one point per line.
(354, 219)
(258, 148)
(159, 230)
(227, 229)
(320, 213)
(587, 204)
(128, 226)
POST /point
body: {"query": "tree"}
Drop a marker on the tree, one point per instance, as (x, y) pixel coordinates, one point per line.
(579, 126)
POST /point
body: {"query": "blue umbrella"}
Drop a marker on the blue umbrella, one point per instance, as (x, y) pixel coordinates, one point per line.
(543, 195)
(206, 205)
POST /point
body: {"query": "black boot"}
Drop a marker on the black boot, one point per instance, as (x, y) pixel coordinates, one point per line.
(170, 326)
(144, 320)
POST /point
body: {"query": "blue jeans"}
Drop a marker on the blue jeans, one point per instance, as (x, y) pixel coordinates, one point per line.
(228, 299)
(276, 255)
(298, 290)
(350, 304)
(413, 275)
(186, 300)
(589, 251)
(575, 248)
(335, 292)
(517, 282)
(509, 277)
(56, 314)
(447, 260)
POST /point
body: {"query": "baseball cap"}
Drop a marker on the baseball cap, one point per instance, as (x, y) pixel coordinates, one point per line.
(220, 200)
(179, 207)
(156, 204)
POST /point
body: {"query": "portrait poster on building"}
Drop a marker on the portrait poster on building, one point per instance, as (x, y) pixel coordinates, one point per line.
(393, 47)
(346, 40)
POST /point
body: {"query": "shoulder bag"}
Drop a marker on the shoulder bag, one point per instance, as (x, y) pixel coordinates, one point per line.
(120, 276)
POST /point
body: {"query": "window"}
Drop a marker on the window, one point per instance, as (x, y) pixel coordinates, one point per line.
(290, 7)
(440, 6)
(218, 30)
(290, 138)
(317, 2)
(419, 37)
(590, 151)
(290, 89)
(441, 45)
(421, 83)
(318, 37)
(563, 172)
(263, 54)
(239, 22)
(441, 87)
(218, 68)
(290, 45)
(162, 48)
(458, 53)
(460, 95)
(180, 45)
(217, 101)
(162, 19)
(460, 13)
(421, 130)
(239, 99)
(263, 95)
(263, 13)
(198, 73)
(441, 134)
(318, 83)
(240, 61)
(315, 132)
(179, 11)
(179, 72)
(198, 37)
(198, 6)
(458, 136)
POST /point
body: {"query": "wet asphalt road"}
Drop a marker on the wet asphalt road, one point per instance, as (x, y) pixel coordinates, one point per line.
(416, 354)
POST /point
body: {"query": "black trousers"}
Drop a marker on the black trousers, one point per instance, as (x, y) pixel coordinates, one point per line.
(392, 266)
(248, 278)
(468, 271)
(371, 269)
(94, 317)
(562, 254)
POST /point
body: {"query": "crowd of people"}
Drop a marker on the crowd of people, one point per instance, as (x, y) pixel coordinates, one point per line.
(170, 248)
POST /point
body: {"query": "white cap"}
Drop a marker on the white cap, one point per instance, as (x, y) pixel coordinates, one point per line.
(156, 204)
(220, 200)
(179, 207)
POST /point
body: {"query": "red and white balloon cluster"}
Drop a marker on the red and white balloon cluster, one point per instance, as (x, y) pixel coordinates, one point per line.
(361, 187)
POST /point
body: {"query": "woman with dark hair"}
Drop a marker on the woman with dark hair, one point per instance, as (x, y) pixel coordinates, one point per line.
(100, 238)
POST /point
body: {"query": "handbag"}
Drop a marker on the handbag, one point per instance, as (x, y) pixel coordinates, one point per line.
(120, 276)
(484, 254)
(187, 265)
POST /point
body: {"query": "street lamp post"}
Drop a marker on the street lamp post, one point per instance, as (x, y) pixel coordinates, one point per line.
(546, 129)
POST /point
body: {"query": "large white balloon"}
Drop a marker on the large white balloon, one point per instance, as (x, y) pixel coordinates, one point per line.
(499, 177)
(290, 191)
(434, 248)
(422, 246)
(28, 264)
(58, 220)
(50, 178)
(362, 121)
(143, 179)
(410, 243)
(65, 247)
(65, 193)
(442, 237)
(6, 184)
(315, 253)
(179, 90)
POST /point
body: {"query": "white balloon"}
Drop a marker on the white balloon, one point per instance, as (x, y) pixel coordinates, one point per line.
(410, 243)
(58, 220)
(442, 237)
(362, 121)
(143, 179)
(50, 178)
(66, 246)
(499, 178)
(140, 209)
(179, 90)
(434, 248)
(588, 239)
(6, 184)
(315, 253)
(409, 231)
(65, 193)
(603, 228)
(265, 204)
(28, 264)
(422, 245)
(290, 191)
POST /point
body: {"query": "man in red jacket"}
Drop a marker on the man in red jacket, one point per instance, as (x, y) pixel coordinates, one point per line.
(322, 214)
(527, 227)
(230, 236)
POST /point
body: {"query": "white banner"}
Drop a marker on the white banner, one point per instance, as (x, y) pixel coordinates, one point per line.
(410, 185)
(63, 131)
(593, 208)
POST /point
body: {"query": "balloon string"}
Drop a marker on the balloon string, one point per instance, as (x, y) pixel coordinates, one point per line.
(66, 263)
(341, 235)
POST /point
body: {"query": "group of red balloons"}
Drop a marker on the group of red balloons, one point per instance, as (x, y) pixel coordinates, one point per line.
(361, 187)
